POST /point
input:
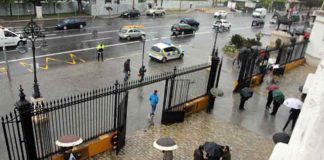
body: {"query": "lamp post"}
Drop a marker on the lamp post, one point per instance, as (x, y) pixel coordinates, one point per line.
(142, 70)
(32, 32)
(214, 48)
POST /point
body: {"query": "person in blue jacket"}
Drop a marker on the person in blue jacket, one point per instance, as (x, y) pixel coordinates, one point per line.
(154, 100)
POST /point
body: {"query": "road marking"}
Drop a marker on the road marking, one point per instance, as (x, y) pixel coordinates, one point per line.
(112, 45)
(65, 52)
(50, 35)
(27, 66)
(96, 39)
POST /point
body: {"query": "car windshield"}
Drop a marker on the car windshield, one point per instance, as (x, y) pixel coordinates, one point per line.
(66, 20)
(156, 49)
(123, 30)
(257, 12)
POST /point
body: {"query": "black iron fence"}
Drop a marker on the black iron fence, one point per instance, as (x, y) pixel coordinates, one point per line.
(31, 130)
(257, 61)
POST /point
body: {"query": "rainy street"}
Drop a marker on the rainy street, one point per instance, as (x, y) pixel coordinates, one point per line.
(68, 64)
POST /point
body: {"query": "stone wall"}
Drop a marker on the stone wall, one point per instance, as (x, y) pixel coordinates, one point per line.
(315, 47)
(28, 8)
(307, 140)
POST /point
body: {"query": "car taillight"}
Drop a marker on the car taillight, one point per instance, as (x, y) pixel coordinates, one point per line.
(177, 28)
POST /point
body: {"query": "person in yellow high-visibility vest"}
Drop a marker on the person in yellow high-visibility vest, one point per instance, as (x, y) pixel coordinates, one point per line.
(100, 48)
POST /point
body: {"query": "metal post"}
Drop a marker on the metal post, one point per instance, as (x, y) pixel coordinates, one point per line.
(25, 110)
(171, 87)
(36, 93)
(133, 4)
(214, 48)
(244, 53)
(219, 73)
(161, 3)
(7, 63)
(211, 81)
(143, 51)
(279, 55)
(116, 104)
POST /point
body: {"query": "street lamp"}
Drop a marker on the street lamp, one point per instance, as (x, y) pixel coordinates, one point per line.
(142, 70)
(32, 32)
(214, 48)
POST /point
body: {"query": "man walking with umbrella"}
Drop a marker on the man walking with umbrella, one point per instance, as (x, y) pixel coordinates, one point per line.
(295, 105)
(245, 94)
(270, 88)
(278, 99)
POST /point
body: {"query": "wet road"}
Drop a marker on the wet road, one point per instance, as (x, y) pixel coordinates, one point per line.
(79, 44)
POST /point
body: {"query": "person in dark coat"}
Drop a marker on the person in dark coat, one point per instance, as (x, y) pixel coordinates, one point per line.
(294, 113)
(269, 99)
(245, 94)
(127, 69)
(276, 106)
(200, 154)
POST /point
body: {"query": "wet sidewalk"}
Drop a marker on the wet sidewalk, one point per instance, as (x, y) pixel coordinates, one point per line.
(196, 130)
(248, 132)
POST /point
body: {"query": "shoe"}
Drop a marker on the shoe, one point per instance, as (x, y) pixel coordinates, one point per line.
(241, 109)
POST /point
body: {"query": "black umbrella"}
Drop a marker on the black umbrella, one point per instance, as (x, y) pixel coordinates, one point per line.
(213, 149)
(281, 137)
(165, 144)
(246, 92)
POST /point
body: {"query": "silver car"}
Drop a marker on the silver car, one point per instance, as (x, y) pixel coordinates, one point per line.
(130, 33)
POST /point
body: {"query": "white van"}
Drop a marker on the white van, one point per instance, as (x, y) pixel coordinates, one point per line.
(9, 38)
(259, 13)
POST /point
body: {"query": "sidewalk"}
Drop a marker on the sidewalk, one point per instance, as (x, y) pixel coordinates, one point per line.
(248, 132)
(195, 131)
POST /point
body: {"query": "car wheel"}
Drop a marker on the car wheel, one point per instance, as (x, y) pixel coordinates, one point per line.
(229, 27)
(194, 31)
(162, 14)
(65, 27)
(128, 38)
(81, 26)
(163, 60)
(153, 14)
(20, 43)
(143, 36)
(182, 33)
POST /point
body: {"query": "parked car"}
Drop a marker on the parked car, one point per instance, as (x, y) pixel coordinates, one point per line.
(165, 51)
(70, 23)
(182, 28)
(257, 22)
(156, 11)
(130, 13)
(235, 10)
(190, 21)
(130, 33)
(259, 13)
(220, 14)
(9, 38)
(222, 24)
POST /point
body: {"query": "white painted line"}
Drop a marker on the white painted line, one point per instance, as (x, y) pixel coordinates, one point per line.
(66, 52)
(96, 39)
(50, 35)
(126, 56)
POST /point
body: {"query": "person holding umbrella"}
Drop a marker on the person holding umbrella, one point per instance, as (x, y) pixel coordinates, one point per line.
(245, 93)
(278, 99)
(295, 105)
(270, 88)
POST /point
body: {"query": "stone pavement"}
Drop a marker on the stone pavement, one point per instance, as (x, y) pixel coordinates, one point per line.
(196, 130)
(248, 133)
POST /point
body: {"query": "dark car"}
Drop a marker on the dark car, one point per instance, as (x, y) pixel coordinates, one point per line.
(190, 21)
(71, 23)
(130, 13)
(257, 22)
(182, 28)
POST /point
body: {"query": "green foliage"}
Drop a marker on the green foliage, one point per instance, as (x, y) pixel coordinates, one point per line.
(230, 50)
(265, 3)
(237, 40)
